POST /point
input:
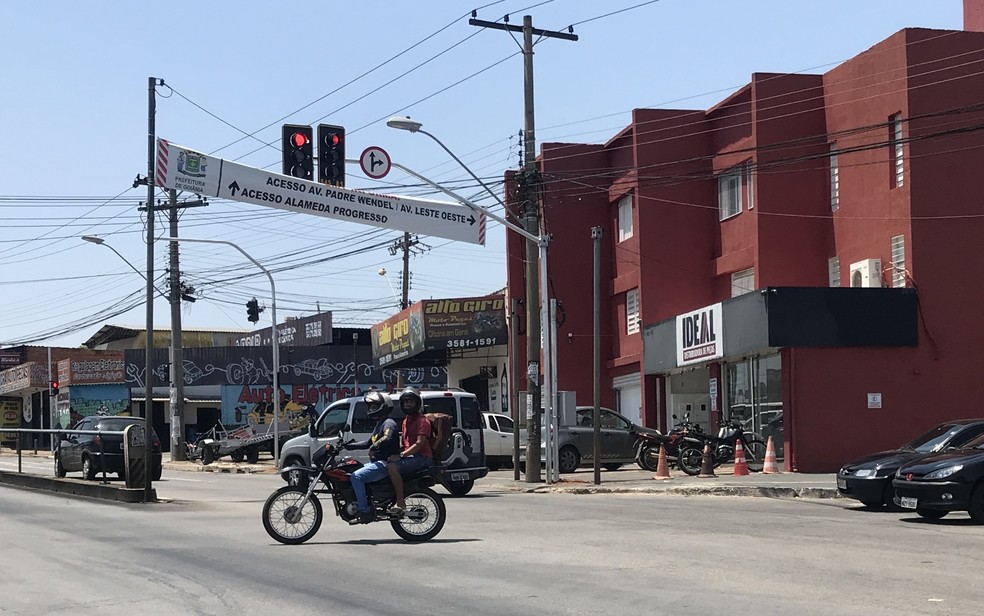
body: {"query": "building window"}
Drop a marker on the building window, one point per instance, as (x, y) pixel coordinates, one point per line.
(743, 282)
(898, 261)
(625, 218)
(735, 190)
(834, 180)
(632, 311)
(834, 271)
(895, 149)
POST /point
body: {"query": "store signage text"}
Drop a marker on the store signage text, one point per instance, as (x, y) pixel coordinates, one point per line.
(700, 335)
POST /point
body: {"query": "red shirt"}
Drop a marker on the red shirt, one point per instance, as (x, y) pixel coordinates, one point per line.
(414, 426)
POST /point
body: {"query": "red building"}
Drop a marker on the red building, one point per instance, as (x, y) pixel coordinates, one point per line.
(727, 232)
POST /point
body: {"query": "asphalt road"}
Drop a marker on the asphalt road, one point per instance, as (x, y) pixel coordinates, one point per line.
(501, 553)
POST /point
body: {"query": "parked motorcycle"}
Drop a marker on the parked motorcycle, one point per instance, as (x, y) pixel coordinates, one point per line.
(691, 455)
(293, 515)
(647, 445)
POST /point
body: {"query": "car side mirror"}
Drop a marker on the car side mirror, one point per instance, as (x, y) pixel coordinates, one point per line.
(346, 428)
(674, 416)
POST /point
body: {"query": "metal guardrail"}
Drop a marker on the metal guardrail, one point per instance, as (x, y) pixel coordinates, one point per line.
(58, 433)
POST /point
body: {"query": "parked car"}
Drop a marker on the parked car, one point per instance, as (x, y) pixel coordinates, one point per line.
(464, 464)
(89, 452)
(869, 479)
(951, 480)
(575, 444)
(499, 430)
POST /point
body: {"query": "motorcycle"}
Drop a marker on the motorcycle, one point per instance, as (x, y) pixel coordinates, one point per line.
(691, 455)
(647, 445)
(292, 514)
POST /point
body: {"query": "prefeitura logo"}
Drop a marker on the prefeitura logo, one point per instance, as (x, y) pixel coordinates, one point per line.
(192, 164)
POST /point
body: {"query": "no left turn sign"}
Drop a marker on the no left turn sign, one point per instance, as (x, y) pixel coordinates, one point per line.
(375, 162)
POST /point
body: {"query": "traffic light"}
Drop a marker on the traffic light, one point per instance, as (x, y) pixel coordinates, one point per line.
(253, 310)
(54, 388)
(298, 151)
(331, 155)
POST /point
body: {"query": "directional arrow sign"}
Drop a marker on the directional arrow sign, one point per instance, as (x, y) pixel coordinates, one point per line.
(181, 168)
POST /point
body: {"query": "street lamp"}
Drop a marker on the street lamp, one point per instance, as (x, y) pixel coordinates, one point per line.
(547, 332)
(148, 413)
(274, 338)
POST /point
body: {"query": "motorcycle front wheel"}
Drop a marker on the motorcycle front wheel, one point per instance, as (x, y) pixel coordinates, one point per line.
(424, 517)
(755, 454)
(286, 521)
(690, 459)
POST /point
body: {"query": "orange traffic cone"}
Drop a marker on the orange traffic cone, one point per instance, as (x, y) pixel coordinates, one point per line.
(741, 467)
(707, 462)
(770, 459)
(662, 470)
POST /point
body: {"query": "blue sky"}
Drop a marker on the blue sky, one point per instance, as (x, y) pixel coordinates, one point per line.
(73, 130)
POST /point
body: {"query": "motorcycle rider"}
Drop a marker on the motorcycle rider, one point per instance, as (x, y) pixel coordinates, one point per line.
(416, 452)
(382, 444)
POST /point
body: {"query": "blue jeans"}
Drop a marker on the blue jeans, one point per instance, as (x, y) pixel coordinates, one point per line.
(374, 471)
(412, 463)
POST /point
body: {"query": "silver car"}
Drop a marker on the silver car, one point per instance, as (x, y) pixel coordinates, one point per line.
(575, 444)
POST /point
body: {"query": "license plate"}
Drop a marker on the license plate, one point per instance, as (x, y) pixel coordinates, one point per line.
(908, 502)
(842, 483)
(459, 477)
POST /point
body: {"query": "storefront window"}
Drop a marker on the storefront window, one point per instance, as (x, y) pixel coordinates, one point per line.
(755, 397)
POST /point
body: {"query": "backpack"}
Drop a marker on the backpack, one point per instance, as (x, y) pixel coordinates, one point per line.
(441, 424)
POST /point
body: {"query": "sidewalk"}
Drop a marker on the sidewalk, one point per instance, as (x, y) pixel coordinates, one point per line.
(628, 479)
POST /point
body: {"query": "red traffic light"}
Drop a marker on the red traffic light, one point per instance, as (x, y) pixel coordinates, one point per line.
(335, 139)
(299, 140)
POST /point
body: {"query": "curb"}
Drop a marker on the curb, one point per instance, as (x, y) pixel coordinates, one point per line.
(228, 467)
(761, 491)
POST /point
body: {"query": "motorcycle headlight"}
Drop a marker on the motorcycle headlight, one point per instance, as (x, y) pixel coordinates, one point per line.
(944, 472)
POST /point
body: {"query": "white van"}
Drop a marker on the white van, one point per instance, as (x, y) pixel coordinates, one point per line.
(464, 461)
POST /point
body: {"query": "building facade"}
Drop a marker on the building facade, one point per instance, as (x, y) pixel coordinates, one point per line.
(743, 220)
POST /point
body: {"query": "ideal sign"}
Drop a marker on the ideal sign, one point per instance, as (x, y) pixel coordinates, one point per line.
(183, 169)
(700, 335)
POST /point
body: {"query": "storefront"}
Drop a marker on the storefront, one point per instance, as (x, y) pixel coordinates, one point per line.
(468, 336)
(738, 360)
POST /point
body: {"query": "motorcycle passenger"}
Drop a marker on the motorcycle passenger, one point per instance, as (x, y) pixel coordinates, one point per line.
(416, 453)
(382, 444)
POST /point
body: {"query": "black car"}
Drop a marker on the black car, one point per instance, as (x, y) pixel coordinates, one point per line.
(939, 483)
(88, 452)
(869, 479)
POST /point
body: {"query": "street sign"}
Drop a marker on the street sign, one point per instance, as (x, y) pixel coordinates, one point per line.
(375, 162)
(180, 168)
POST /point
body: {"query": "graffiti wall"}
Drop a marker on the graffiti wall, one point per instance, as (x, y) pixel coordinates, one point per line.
(88, 400)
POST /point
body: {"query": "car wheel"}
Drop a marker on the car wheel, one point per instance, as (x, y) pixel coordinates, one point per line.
(59, 469)
(460, 488)
(208, 455)
(976, 507)
(252, 455)
(611, 467)
(298, 479)
(931, 514)
(568, 459)
(157, 473)
(88, 470)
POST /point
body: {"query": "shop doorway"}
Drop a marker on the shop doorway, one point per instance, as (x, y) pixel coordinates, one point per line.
(480, 387)
(755, 397)
(688, 395)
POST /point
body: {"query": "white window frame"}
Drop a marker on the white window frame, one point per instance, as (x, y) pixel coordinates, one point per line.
(743, 282)
(895, 150)
(834, 271)
(632, 316)
(834, 179)
(898, 262)
(735, 190)
(625, 218)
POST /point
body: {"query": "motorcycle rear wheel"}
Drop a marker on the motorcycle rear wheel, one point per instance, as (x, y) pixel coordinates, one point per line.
(649, 458)
(424, 517)
(690, 459)
(284, 522)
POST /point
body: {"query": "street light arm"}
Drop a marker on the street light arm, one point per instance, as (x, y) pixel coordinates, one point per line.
(465, 167)
(472, 205)
(101, 242)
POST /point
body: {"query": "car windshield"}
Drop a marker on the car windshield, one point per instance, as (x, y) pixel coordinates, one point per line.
(934, 439)
(977, 443)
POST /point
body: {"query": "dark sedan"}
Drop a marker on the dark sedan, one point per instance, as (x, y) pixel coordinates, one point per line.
(869, 479)
(937, 484)
(91, 453)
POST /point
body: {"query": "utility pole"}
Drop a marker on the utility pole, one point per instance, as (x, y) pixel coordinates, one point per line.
(529, 187)
(406, 244)
(149, 359)
(177, 353)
